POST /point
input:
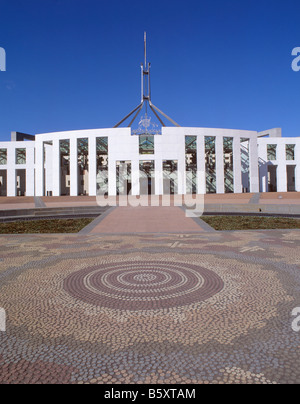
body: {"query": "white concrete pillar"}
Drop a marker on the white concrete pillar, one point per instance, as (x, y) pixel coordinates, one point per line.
(73, 167)
(263, 167)
(30, 174)
(220, 165)
(39, 168)
(237, 165)
(297, 170)
(135, 177)
(181, 177)
(112, 177)
(11, 171)
(253, 160)
(201, 170)
(158, 176)
(92, 167)
(56, 177)
(281, 168)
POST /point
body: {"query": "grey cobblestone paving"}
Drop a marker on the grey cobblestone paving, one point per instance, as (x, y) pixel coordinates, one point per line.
(163, 308)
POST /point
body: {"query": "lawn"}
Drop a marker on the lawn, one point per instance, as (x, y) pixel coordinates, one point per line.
(45, 226)
(250, 222)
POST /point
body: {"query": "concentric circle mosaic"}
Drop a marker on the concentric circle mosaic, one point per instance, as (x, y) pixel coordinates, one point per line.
(143, 285)
(167, 309)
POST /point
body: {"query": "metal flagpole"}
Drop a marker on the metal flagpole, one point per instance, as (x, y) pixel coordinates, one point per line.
(127, 116)
(146, 95)
(162, 113)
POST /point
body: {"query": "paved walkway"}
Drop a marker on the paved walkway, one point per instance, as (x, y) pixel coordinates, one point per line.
(148, 220)
(164, 308)
(211, 200)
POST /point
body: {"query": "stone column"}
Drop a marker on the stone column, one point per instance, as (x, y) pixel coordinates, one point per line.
(297, 170)
(263, 167)
(237, 165)
(158, 176)
(135, 177)
(201, 167)
(112, 177)
(220, 165)
(281, 168)
(254, 177)
(92, 167)
(11, 171)
(56, 177)
(73, 167)
(181, 178)
(39, 169)
(30, 174)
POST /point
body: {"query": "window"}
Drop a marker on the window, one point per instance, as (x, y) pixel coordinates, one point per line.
(191, 164)
(20, 156)
(170, 177)
(147, 177)
(290, 151)
(102, 165)
(83, 155)
(146, 144)
(210, 159)
(272, 152)
(123, 171)
(83, 166)
(64, 147)
(245, 161)
(228, 164)
(3, 157)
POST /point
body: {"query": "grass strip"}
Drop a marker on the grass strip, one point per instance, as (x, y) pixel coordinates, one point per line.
(250, 222)
(45, 226)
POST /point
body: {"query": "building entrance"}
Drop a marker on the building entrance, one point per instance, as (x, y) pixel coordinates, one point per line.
(3, 183)
(147, 177)
(272, 178)
(291, 178)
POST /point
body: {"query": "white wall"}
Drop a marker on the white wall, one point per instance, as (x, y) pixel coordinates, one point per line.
(122, 146)
(280, 162)
(11, 166)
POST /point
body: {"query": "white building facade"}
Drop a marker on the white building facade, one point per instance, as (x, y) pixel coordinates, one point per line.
(180, 160)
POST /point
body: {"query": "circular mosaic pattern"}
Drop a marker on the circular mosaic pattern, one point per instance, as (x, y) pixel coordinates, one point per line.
(143, 285)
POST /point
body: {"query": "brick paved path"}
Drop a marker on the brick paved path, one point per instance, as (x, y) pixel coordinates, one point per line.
(148, 220)
(164, 308)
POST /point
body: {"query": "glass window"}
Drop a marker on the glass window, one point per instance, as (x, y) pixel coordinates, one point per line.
(102, 153)
(272, 152)
(64, 146)
(170, 177)
(102, 165)
(83, 166)
(210, 158)
(123, 177)
(191, 164)
(20, 156)
(146, 144)
(245, 162)
(3, 157)
(290, 152)
(83, 155)
(228, 164)
(147, 177)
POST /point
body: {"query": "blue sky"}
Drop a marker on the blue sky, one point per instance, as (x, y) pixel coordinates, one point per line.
(75, 64)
